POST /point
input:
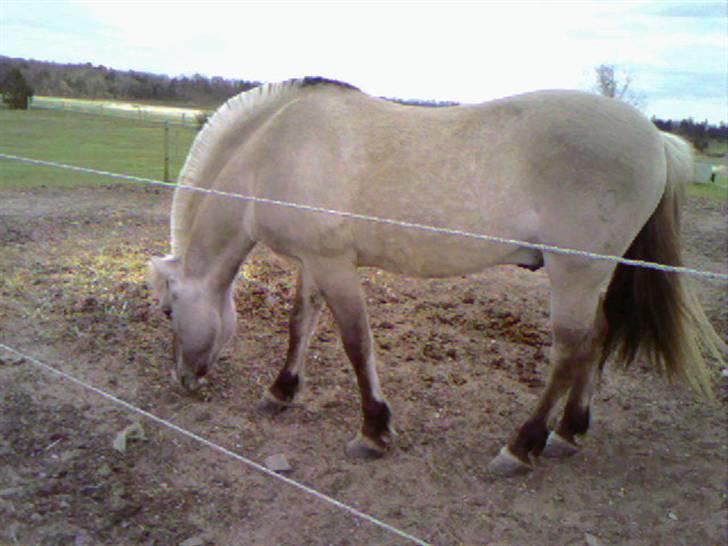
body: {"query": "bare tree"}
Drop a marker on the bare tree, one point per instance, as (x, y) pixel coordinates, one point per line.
(616, 83)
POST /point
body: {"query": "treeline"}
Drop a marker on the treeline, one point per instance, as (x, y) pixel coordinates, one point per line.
(700, 134)
(86, 81)
(100, 82)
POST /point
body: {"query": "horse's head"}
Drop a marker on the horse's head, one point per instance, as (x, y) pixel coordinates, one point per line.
(202, 317)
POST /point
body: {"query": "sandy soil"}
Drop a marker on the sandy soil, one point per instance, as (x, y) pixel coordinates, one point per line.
(462, 361)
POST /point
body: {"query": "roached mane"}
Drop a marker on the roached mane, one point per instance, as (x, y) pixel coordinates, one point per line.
(224, 124)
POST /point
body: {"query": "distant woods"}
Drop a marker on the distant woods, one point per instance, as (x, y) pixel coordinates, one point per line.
(616, 82)
(86, 81)
(100, 82)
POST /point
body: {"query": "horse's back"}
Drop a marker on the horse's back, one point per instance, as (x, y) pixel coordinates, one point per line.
(557, 167)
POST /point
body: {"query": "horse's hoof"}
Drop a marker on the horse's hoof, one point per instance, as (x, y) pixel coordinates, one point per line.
(558, 447)
(506, 464)
(362, 447)
(269, 405)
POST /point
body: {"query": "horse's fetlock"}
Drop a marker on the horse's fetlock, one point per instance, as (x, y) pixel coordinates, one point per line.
(531, 439)
(575, 422)
(377, 421)
(286, 386)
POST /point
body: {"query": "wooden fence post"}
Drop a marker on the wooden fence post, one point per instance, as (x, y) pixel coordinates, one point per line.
(166, 151)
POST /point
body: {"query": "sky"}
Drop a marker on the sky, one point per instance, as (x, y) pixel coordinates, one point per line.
(675, 51)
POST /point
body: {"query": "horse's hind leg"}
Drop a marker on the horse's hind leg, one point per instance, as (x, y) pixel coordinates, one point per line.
(575, 419)
(340, 285)
(307, 306)
(578, 330)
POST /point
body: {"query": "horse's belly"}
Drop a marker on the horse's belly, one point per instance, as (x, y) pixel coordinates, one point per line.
(431, 255)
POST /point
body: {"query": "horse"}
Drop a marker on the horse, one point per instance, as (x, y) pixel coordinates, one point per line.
(562, 168)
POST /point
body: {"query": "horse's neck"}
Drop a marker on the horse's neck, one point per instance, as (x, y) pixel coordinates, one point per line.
(214, 262)
(231, 125)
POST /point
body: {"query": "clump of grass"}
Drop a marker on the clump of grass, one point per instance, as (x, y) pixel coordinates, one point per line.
(716, 192)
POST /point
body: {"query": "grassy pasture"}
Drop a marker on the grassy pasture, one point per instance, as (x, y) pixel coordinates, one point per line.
(100, 142)
(159, 112)
(130, 145)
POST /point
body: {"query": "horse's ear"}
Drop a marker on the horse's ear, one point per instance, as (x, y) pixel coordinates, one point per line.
(161, 272)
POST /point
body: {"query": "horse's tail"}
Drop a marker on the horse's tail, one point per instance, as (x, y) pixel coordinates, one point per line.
(656, 313)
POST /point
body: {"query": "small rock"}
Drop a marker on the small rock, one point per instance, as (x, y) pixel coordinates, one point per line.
(591, 540)
(672, 516)
(132, 432)
(278, 463)
(194, 541)
(104, 470)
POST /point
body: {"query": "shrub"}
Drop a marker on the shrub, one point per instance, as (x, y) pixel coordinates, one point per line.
(15, 90)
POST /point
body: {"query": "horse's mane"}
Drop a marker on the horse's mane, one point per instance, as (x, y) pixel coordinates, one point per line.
(227, 120)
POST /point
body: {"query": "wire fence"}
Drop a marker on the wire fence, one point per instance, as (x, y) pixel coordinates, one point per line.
(440, 230)
(185, 117)
(554, 249)
(214, 446)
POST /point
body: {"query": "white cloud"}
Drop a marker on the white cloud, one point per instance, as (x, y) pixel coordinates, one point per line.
(468, 51)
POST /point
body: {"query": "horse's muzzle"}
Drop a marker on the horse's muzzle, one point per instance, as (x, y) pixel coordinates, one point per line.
(189, 382)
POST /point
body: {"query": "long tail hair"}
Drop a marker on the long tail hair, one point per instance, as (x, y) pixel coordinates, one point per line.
(655, 313)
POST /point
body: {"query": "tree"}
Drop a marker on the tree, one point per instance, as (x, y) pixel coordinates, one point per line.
(616, 83)
(15, 90)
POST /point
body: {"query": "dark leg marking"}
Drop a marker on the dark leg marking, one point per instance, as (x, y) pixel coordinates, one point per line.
(377, 419)
(531, 438)
(574, 422)
(285, 386)
(341, 288)
(307, 305)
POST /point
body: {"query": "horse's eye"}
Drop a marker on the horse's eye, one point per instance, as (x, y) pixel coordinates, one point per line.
(168, 312)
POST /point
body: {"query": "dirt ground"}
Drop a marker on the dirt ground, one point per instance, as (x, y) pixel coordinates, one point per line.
(461, 360)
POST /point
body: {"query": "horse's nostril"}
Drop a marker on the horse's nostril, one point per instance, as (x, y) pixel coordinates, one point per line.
(202, 371)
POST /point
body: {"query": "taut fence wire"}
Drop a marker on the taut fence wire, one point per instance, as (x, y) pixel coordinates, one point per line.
(710, 275)
(216, 447)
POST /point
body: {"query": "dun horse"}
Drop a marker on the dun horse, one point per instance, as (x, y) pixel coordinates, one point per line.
(561, 168)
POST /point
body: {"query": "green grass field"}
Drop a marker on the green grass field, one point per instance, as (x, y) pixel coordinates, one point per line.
(148, 111)
(121, 145)
(712, 191)
(101, 142)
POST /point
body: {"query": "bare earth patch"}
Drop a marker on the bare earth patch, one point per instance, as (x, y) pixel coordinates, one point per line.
(462, 361)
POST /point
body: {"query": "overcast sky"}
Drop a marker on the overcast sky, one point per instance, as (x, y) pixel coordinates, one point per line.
(677, 51)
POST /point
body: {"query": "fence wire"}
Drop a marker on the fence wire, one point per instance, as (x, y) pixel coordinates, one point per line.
(345, 214)
(710, 275)
(216, 447)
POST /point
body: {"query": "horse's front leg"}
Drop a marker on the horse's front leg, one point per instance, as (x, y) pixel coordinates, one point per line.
(341, 287)
(307, 306)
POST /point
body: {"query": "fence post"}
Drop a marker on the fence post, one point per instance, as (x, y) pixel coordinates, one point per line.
(166, 151)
